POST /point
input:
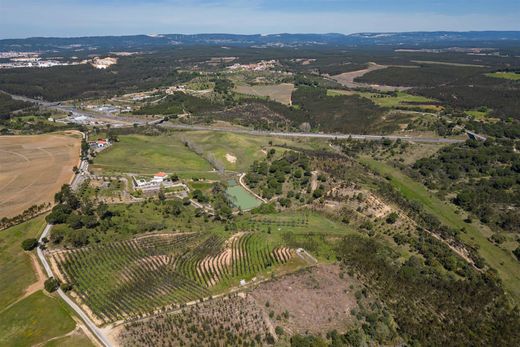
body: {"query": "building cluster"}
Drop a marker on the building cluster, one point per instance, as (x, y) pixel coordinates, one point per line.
(260, 66)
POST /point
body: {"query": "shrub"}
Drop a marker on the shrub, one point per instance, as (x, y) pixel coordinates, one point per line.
(516, 252)
(392, 218)
(279, 330)
(29, 244)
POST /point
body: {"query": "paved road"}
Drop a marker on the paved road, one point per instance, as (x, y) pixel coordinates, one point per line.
(95, 330)
(313, 135)
(125, 120)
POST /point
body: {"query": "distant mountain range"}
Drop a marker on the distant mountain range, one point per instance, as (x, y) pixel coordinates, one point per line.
(140, 42)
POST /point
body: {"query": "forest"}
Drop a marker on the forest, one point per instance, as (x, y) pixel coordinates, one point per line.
(485, 177)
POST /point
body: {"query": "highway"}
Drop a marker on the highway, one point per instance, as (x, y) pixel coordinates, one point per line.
(313, 135)
(106, 117)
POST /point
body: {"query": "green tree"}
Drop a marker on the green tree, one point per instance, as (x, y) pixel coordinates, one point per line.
(29, 244)
(51, 284)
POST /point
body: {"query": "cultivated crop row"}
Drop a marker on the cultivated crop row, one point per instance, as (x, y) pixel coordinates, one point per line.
(124, 279)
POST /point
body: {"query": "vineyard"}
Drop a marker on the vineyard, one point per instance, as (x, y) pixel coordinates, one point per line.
(125, 279)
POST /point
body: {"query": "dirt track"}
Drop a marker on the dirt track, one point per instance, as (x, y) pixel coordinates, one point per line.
(33, 168)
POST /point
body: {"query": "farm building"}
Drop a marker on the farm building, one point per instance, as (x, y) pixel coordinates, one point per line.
(100, 143)
(159, 177)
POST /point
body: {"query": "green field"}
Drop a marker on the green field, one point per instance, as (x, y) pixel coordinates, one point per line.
(499, 259)
(478, 114)
(505, 75)
(33, 320)
(16, 271)
(241, 198)
(149, 154)
(245, 148)
(401, 100)
(157, 270)
(78, 339)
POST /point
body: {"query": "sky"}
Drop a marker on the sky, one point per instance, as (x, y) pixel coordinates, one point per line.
(61, 18)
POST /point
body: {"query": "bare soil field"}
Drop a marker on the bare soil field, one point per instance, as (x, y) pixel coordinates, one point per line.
(347, 79)
(278, 92)
(33, 168)
(313, 300)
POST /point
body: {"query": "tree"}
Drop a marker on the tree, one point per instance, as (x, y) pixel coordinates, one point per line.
(51, 284)
(392, 218)
(29, 244)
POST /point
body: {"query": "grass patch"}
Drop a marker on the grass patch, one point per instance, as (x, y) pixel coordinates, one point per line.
(401, 100)
(15, 265)
(499, 259)
(77, 340)
(505, 75)
(34, 320)
(245, 148)
(149, 154)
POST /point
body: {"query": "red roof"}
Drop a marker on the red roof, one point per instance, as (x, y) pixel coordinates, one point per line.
(160, 174)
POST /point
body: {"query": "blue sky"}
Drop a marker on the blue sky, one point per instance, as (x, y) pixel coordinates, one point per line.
(20, 18)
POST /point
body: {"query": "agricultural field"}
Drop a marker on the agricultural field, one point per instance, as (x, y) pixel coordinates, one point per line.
(277, 92)
(27, 315)
(33, 168)
(149, 154)
(183, 268)
(33, 320)
(16, 264)
(402, 100)
(229, 321)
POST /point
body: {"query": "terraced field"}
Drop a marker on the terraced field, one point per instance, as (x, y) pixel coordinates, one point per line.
(124, 279)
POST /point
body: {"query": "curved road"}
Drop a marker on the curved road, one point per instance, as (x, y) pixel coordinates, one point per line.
(95, 330)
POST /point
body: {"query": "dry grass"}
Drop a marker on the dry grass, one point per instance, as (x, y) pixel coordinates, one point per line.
(278, 92)
(33, 168)
(313, 301)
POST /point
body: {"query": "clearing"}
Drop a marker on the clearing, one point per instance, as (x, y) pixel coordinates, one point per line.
(278, 92)
(347, 79)
(312, 300)
(33, 168)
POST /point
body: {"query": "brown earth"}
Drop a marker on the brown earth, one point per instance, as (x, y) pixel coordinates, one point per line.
(278, 92)
(347, 79)
(316, 300)
(33, 169)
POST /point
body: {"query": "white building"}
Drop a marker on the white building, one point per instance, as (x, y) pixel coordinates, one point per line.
(159, 177)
